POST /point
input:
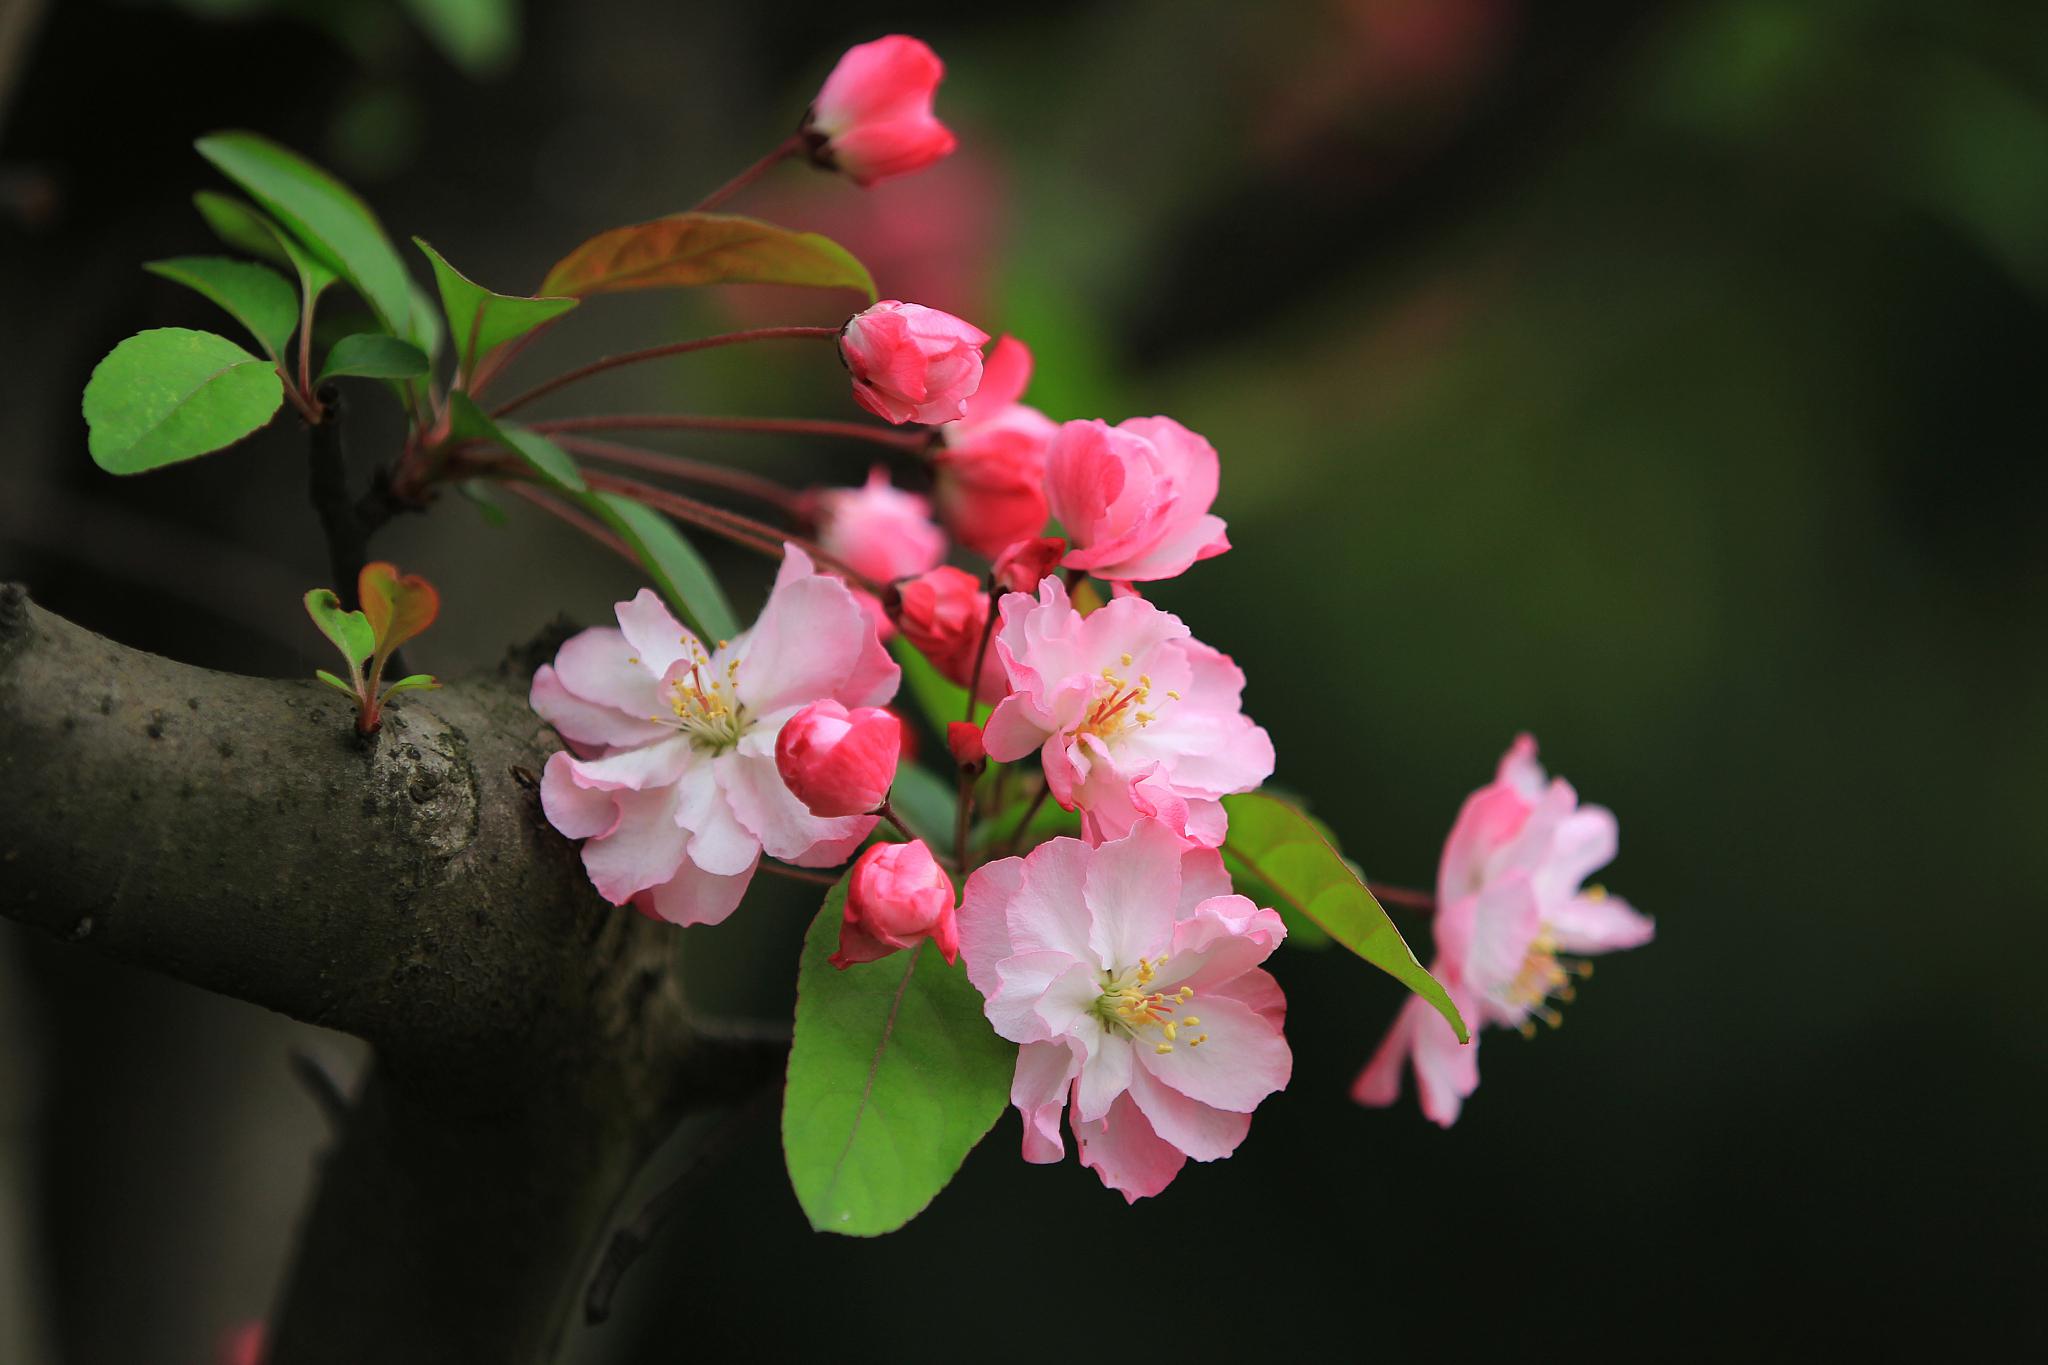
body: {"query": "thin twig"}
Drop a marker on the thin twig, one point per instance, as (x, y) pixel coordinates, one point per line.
(613, 362)
(913, 442)
(502, 356)
(633, 1239)
(789, 147)
(691, 471)
(741, 530)
(565, 513)
(1407, 898)
(799, 874)
(348, 543)
(1023, 826)
(988, 629)
(888, 812)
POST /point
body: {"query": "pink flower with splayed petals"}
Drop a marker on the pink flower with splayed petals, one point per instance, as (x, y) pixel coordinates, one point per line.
(1134, 498)
(1128, 973)
(878, 530)
(1132, 716)
(673, 786)
(1514, 923)
(873, 116)
(991, 463)
(910, 363)
(897, 896)
(1024, 565)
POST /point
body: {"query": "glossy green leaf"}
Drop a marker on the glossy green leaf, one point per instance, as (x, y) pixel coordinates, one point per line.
(544, 457)
(349, 630)
(480, 36)
(414, 682)
(425, 331)
(894, 1075)
(325, 215)
(926, 802)
(679, 572)
(480, 321)
(172, 394)
(256, 296)
(240, 225)
(346, 689)
(687, 249)
(373, 355)
(1282, 847)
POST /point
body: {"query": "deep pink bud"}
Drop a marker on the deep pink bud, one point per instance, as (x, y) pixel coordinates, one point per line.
(963, 737)
(839, 762)
(911, 363)
(1023, 566)
(991, 463)
(873, 116)
(944, 613)
(896, 897)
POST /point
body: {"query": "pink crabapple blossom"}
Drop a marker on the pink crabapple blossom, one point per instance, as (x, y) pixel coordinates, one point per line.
(897, 896)
(1134, 498)
(1128, 974)
(873, 117)
(1514, 921)
(944, 614)
(1132, 716)
(839, 762)
(911, 363)
(878, 530)
(991, 463)
(673, 785)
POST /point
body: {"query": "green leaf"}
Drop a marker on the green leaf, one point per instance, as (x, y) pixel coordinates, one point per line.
(256, 296)
(373, 355)
(480, 36)
(894, 1075)
(172, 394)
(550, 461)
(349, 630)
(1281, 846)
(346, 689)
(241, 226)
(414, 682)
(325, 215)
(686, 249)
(927, 803)
(940, 702)
(425, 331)
(679, 572)
(477, 491)
(479, 320)
(1049, 821)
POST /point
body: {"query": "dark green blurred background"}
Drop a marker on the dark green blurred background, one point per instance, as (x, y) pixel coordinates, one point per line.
(1666, 379)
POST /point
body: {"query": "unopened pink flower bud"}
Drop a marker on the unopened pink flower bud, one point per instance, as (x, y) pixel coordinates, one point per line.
(878, 530)
(991, 463)
(944, 613)
(896, 897)
(911, 363)
(963, 737)
(1023, 566)
(839, 762)
(873, 116)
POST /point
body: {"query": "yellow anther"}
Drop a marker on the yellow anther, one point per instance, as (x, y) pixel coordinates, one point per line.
(1175, 696)
(632, 658)
(1165, 1048)
(1197, 1042)
(1185, 993)
(1126, 661)
(1596, 892)
(1145, 680)
(1168, 1028)
(1144, 718)
(1528, 1028)
(1192, 1019)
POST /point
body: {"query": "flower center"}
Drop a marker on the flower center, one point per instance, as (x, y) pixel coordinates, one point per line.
(707, 707)
(1118, 704)
(1544, 976)
(1129, 1007)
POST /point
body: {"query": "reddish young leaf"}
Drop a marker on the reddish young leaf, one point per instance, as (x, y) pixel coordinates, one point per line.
(398, 608)
(687, 249)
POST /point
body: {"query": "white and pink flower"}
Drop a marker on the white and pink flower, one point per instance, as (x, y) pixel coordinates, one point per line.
(1514, 922)
(1132, 716)
(673, 784)
(1128, 974)
(1134, 498)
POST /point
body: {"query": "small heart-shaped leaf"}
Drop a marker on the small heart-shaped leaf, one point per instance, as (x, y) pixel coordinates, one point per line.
(349, 630)
(398, 606)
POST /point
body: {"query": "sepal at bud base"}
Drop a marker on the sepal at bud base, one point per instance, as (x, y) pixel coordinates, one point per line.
(963, 737)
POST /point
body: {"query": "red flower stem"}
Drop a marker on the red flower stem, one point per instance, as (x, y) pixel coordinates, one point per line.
(755, 535)
(570, 515)
(798, 874)
(691, 471)
(911, 442)
(888, 812)
(1017, 835)
(789, 147)
(1405, 897)
(494, 364)
(988, 628)
(613, 362)
(962, 818)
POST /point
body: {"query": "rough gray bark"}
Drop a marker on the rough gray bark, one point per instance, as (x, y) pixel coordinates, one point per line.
(532, 1045)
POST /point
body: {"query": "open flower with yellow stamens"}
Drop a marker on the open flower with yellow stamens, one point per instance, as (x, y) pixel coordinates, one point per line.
(1129, 973)
(1133, 717)
(1514, 923)
(673, 785)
